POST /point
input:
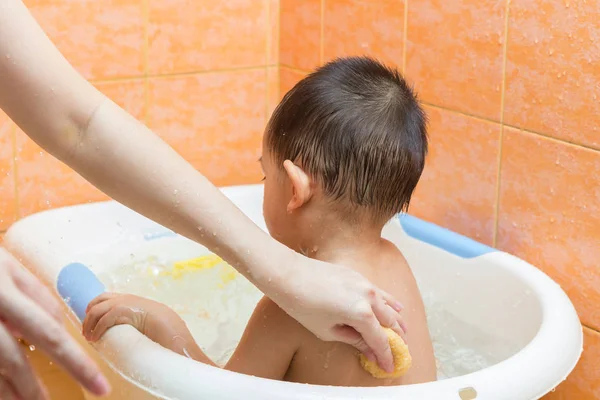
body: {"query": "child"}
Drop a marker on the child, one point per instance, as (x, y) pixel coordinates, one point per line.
(341, 155)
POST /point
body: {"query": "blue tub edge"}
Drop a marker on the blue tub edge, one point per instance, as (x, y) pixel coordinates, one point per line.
(442, 238)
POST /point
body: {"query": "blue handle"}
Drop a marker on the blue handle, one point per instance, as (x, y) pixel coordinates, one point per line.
(78, 285)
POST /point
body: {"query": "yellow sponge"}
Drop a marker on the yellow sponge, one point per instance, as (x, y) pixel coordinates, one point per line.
(402, 358)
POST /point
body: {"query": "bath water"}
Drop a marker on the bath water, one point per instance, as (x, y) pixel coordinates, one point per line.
(213, 299)
(216, 302)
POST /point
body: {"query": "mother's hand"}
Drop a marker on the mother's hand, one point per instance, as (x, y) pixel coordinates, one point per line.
(27, 309)
(338, 304)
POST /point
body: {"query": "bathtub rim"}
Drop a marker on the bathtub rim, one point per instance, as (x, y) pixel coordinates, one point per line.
(495, 375)
(539, 282)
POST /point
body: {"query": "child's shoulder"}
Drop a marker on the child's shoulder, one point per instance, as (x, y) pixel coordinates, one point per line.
(274, 316)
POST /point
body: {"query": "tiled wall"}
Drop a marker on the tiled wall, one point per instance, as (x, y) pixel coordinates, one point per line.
(512, 89)
(202, 74)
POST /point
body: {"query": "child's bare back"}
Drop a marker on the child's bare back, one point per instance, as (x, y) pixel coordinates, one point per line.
(325, 363)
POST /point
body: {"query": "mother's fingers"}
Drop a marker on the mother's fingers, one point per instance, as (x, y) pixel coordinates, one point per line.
(41, 329)
(392, 302)
(10, 267)
(376, 340)
(38, 292)
(6, 390)
(389, 317)
(15, 371)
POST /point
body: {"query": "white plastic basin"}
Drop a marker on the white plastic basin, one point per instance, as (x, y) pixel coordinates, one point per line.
(531, 327)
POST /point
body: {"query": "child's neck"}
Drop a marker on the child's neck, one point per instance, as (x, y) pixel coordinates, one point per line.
(338, 241)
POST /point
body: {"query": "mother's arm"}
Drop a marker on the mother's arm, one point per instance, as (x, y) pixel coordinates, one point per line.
(72, 120)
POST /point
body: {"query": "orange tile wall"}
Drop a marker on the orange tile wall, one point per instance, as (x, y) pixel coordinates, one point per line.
(512, 89)
(202, 74)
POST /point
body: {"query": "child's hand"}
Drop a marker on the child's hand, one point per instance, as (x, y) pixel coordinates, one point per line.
(109, 309)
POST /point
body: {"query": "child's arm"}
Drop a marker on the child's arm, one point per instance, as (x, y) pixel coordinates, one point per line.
(153, 319)
(266, 349)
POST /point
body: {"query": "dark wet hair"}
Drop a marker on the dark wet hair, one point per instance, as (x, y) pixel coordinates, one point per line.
(356, 127)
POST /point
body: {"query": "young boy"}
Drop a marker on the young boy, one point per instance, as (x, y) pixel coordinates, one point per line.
(342, 155)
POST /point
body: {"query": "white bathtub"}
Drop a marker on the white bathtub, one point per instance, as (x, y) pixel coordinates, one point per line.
(499, 294)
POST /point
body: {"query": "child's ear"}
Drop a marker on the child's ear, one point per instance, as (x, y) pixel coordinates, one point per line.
(301, 189)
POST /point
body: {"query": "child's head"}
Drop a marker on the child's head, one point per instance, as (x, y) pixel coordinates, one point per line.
(349, 142)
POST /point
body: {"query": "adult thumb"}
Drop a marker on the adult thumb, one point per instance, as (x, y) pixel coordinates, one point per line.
(349, 335)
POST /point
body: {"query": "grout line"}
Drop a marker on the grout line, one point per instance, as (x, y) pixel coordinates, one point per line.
(146, 60)
(405, 37)
(182, 74)
(502, 102)
(278, 69)
(269, 30)
(293, 69)
(135, 78)
(118, 79)
(322, 41)
(498, 191)
(464, 113)
(554, 139)
(278, 83)
(544, 135)
(591, 328)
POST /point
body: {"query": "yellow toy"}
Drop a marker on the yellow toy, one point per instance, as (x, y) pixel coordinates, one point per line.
(181, 268)
(402, 358)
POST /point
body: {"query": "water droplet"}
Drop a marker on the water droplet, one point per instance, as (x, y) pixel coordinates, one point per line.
(8, 56)
(551, 51)
(552, 220)
(536, 40)
(175, 192)
(557, 162)
(32, 348)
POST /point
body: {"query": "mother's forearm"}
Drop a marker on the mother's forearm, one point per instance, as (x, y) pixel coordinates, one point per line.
(127, 161)
(76, 123)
